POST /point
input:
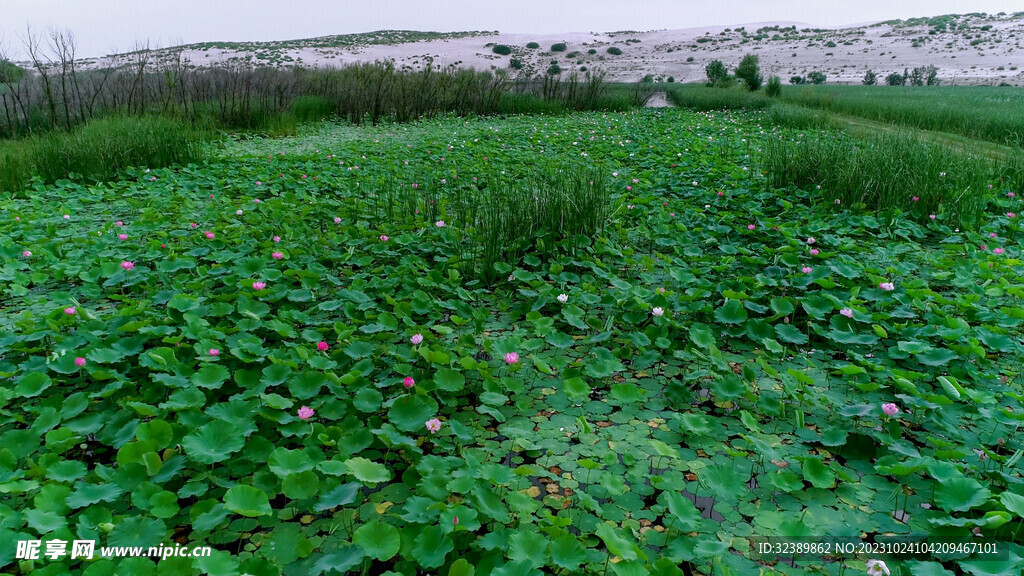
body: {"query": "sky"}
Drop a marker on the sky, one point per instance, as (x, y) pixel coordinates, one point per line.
(103, 27)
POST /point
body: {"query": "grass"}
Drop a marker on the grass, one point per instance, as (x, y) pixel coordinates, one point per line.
(995, 114)
(99, 150)
(885, 172)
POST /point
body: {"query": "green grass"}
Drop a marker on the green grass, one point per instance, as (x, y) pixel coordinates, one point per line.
(995, 114)
(887, 171)
(99, 150)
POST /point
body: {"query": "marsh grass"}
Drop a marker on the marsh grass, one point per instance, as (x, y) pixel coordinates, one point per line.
(885, 172)
(99, 150)
(559, 208)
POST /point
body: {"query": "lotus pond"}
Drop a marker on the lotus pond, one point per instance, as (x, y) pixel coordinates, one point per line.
(316, 356)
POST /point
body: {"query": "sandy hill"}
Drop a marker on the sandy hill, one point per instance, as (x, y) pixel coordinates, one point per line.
(966, 49)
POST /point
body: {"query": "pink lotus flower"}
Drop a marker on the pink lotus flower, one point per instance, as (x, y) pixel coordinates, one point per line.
(751, 226)
(720, 193)
(914, 199)
(238, 212)
(259, 285)
(440, 224)
(258, 183)
(563, 298)
(79, 361)
(630, 188)
(127, 265)
(806, 269)
(214, 352)
(433, 425)
(122, 236)
(887, 286)
(931, 216)
(890, 408)
(337, 220)
(277, 238)
(1011, 215)
(305, 413)
(67, 217)
(997, 250)
(1010, 195)
(657, 311)
(661, 290)
(811, 240)
(322, 346)
(455, 520)
(209, 235)
(848, 312)
(814, 251)
(194, 225)
(26, 253)
(838, 201)
(511, 358)
(118, 223)
(163, 245)
(277, 255)
(256, 200)
(416, 339)
(383, 238)
(408, 382)
(991, 234)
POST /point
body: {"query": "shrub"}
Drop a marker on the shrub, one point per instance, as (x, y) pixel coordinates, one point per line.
(797, 80)
(502, 49)
(816, 77)
(515, 63)
(689, 59)
(648, 79)
(559, 47)
(591, 51)
(895, 79)
(10, 72)
(870, 78)
(532, 45)
(671, 79)
(554, 70)
(774, 87)
(750, 72)
(718, 74)
(614, 51)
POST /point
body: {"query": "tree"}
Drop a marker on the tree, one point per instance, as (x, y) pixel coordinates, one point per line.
(816, 77)
(894, 79)
(718, 74)
(750, 72)
(797, 80)
(931, 75)
(870, 78)
(774, 87)
(917, 77)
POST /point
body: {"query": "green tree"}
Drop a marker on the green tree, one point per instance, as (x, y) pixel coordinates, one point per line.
(895, 79)
(718, 74)
(816, 77)
(749, 71)
(774, 87)
(870, 78)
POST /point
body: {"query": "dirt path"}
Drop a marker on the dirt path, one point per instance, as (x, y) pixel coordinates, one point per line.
(658, 100)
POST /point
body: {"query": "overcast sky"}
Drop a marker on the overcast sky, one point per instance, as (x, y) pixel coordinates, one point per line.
(106, 26)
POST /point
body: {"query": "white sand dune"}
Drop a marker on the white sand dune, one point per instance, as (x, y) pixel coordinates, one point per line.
(976, 49)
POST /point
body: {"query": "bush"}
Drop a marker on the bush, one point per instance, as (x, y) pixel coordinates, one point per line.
(614, 51)
(689, 59)
(816, 77)
(532, 45)
(559, 47)
(502, 49)
(774, 87)
(591, 51)
(515, 63)
(671, 79)
(895, 79)
(554, 70)
(311, 108)
(750, 72)
(870, 78)
(718, 74)
(797, 80)
(10, 72)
